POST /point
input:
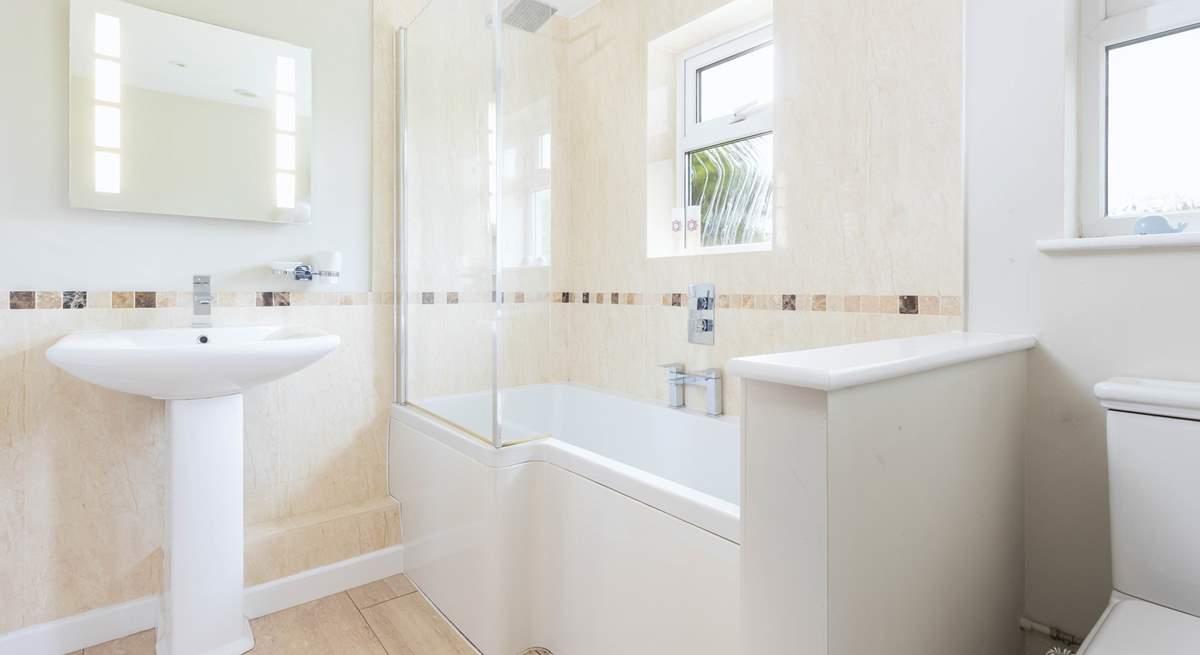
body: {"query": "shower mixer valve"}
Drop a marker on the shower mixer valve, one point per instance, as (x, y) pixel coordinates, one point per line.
(702, 314)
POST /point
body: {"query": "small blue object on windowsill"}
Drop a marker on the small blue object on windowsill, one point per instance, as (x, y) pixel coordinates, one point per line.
(1156, 224)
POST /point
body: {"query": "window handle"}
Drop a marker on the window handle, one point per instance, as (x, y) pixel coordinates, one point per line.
(746, 111)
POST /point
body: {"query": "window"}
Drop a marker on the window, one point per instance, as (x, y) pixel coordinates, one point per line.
(725, 145)
(1139, 137)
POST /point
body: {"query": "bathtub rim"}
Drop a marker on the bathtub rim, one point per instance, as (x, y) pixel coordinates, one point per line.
(709, 513)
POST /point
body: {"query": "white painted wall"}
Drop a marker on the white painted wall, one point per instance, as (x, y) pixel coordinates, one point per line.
(44, 244)
(1096, 315)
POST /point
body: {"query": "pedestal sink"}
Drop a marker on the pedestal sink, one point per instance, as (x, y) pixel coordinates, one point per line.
(201, 373)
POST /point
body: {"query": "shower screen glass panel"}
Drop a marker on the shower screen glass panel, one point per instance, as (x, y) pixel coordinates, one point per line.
(448, 222)
(532, 46)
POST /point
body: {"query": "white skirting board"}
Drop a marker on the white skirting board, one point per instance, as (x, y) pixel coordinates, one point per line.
(107, 623)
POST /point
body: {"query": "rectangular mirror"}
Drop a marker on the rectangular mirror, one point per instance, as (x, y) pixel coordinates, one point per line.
(175, 116)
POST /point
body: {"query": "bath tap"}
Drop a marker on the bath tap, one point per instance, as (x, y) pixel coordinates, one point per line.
(678, 378)
(201, 301)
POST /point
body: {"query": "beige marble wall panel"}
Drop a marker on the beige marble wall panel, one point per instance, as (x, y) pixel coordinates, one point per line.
(868, 184)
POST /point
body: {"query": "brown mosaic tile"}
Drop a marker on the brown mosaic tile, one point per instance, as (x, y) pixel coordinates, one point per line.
(568, 297)
(788, 302)
(853, 304)
(666, 300)
(761, 301)
(21, 300)
(835, 303)
(723, 301)
(775, 302)
(165, 299)
(48, 300)
(931, 305)
(451, 297)
(803, 302)
(819, 303)
(598, 297)
(677, 300)
(909, 305)
(426, 298)
(633, 298)
(74, 299)
(144, 299)
(518, 296)
(273, 299)
(585, 297)
(951, 306)
(746, 301)
(123, 300)
(615, 298)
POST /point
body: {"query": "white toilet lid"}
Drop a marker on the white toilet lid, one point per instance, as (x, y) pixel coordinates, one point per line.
(1135, 627)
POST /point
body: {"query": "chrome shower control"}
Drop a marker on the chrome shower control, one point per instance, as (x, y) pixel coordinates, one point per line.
(702, 314)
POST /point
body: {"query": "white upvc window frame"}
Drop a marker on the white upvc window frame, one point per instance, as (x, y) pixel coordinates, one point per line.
(1099, 33)
(693, 135)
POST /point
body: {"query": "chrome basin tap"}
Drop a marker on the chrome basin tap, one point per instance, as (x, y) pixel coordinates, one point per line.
(201, 301)
(678, 378)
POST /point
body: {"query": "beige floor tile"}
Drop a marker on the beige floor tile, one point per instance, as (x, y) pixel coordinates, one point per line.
(381, 591)
(328, 625)
(141, 643)
(409, 625)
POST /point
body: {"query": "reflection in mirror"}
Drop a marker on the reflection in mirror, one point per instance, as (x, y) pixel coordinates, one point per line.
(175, 116)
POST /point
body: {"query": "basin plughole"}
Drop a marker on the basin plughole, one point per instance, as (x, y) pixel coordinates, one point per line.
(201, 373)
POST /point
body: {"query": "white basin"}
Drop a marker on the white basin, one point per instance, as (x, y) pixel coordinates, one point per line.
(189, 363)
(201, 373)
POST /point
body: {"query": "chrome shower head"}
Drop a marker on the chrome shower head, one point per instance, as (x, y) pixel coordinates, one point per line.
(528, 15)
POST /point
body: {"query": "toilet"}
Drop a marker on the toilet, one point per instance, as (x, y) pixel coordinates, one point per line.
(1154, 498)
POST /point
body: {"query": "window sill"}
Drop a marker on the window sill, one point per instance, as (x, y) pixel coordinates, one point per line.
(1125, 242)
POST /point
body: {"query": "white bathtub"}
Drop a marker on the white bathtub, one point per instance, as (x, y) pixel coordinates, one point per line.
(617, 534)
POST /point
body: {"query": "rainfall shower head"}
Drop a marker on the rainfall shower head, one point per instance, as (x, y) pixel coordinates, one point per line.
(528, 15)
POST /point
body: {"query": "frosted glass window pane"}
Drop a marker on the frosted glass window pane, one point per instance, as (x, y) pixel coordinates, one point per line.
(285, 113)
(108, 35)
(108, 81)
(734, 83)
(108, 172)
(1153, 126)
(285, 74)
(108, 127)
(734, 185)
(285, 152)
(285, 190)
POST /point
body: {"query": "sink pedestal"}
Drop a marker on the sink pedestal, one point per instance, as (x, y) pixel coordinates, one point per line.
(205, 539)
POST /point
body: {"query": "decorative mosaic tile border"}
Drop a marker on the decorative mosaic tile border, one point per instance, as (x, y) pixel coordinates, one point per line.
(169, 299)
(468, 297)
(925, 305)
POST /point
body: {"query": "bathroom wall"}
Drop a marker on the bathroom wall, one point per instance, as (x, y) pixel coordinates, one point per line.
(82, 470)
(48, 245)
(869, 179)
(1097, 315)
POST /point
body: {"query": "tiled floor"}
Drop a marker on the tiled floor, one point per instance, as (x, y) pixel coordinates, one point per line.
(387, 617)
